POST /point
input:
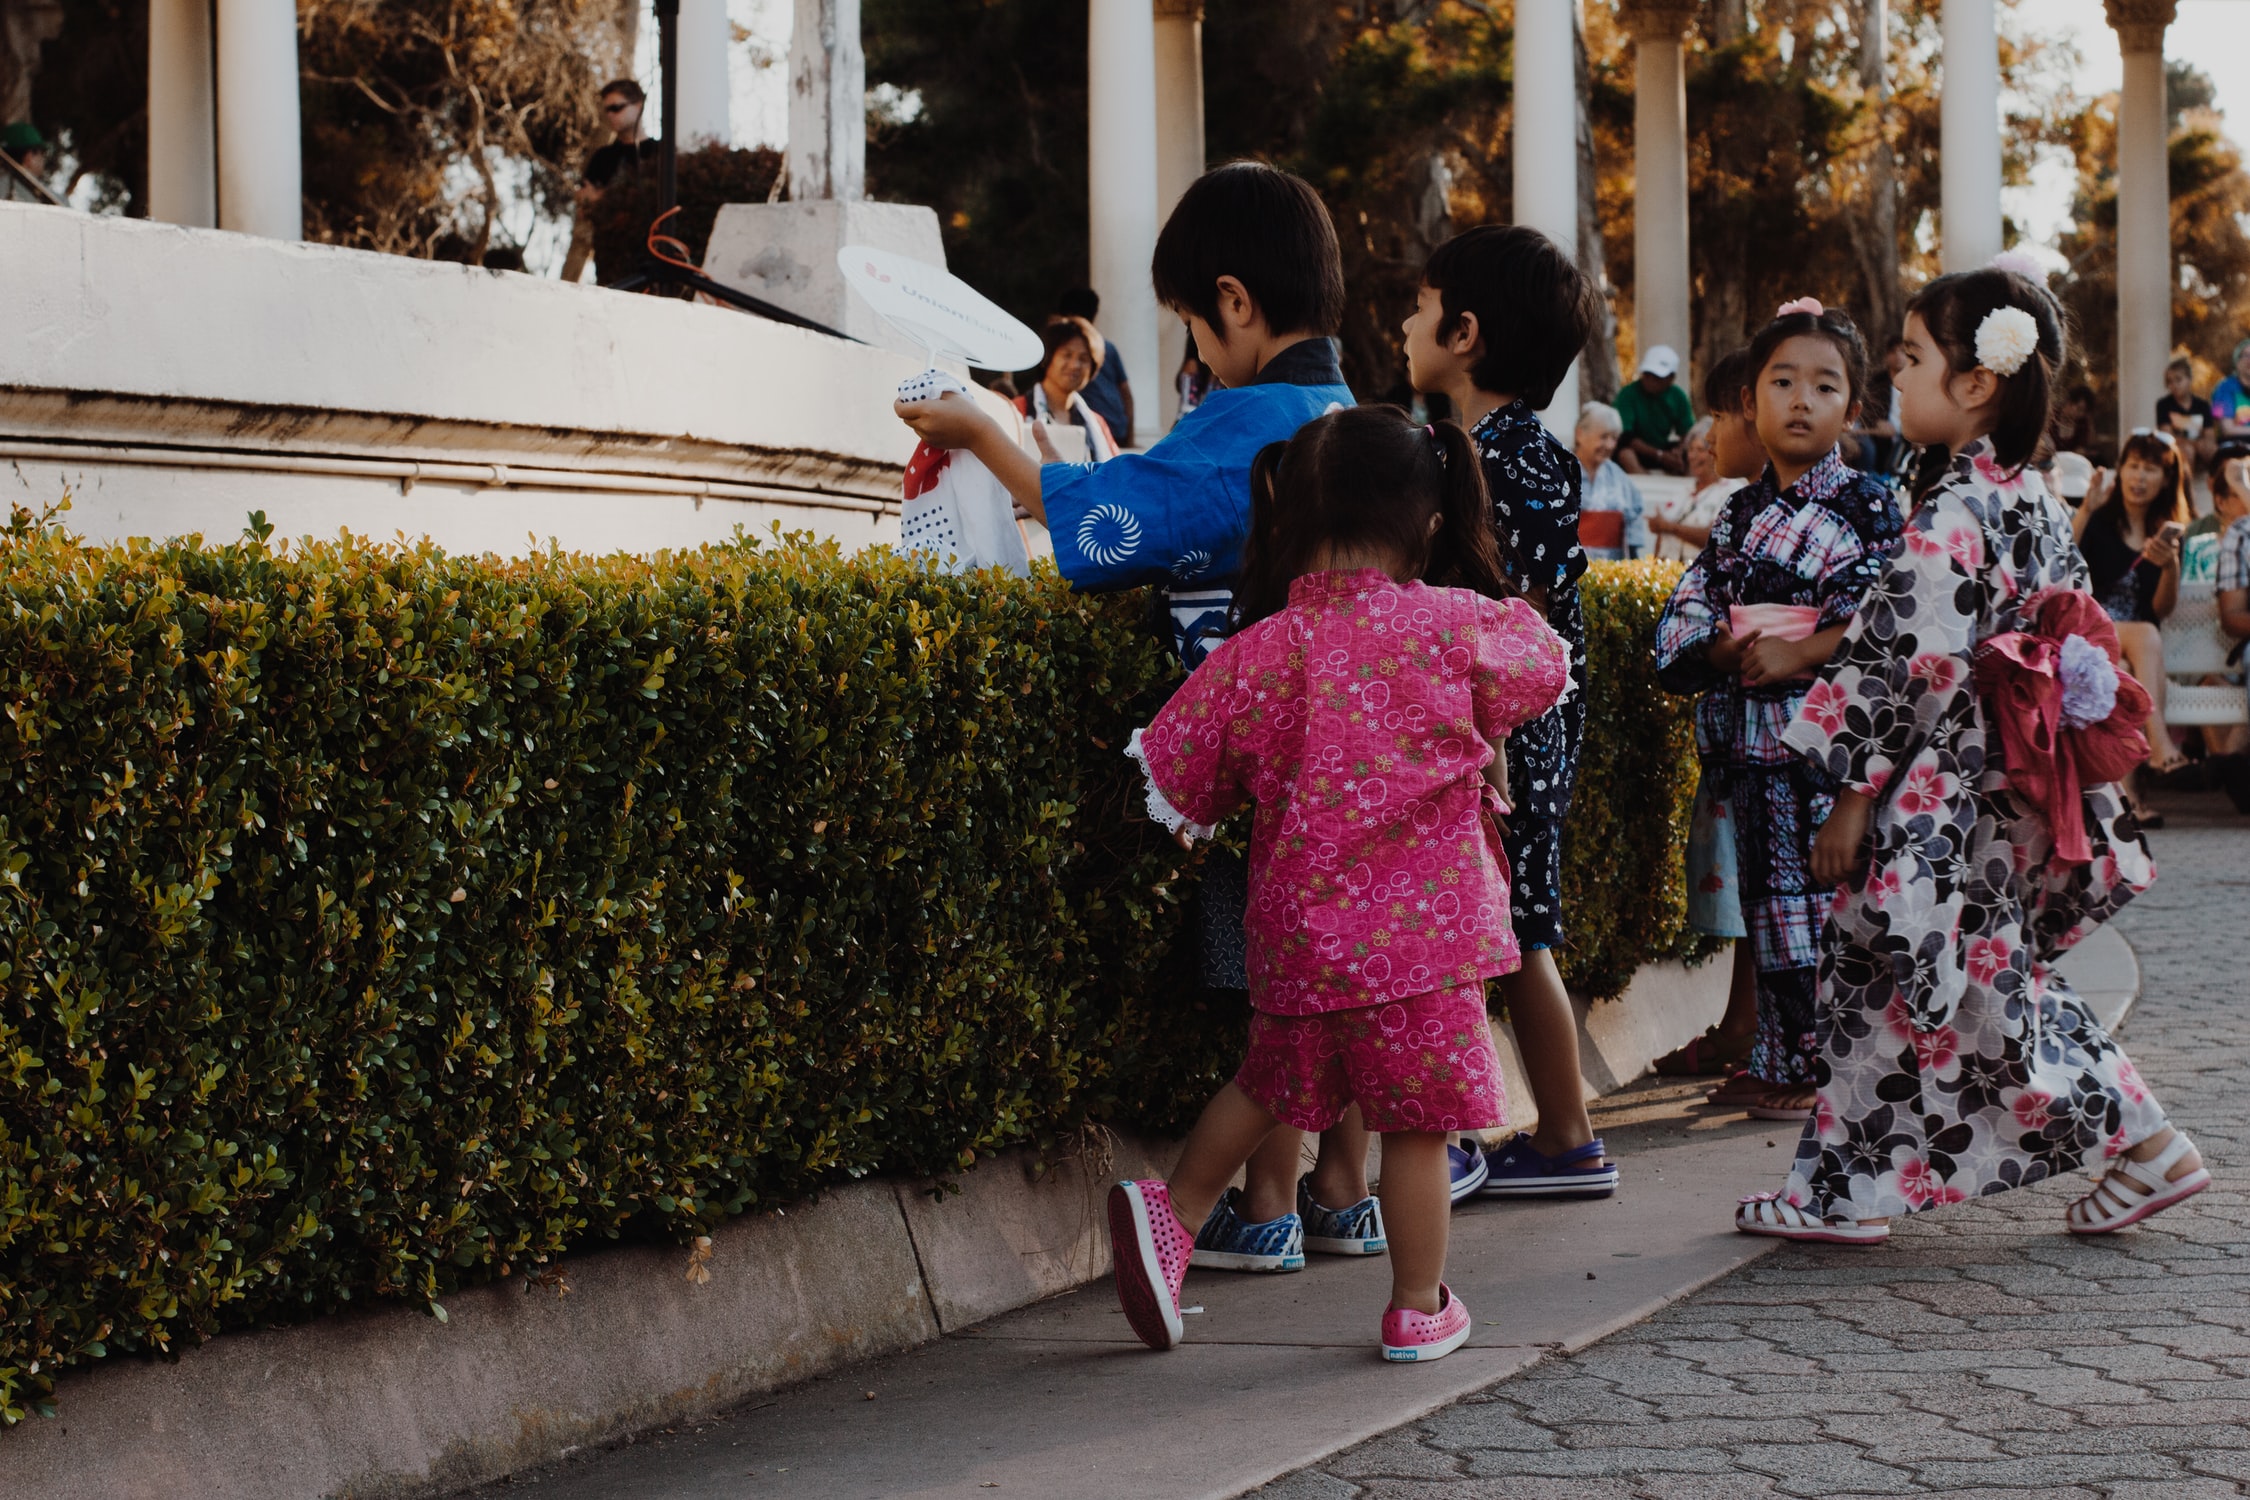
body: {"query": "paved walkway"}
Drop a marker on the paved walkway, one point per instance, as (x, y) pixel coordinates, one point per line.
(1059, 1399)
(1980, 1353)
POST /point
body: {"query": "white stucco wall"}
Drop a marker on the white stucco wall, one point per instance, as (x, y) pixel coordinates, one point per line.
(143, 365)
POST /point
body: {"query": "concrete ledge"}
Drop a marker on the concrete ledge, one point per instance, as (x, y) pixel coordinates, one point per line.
(392, 1403)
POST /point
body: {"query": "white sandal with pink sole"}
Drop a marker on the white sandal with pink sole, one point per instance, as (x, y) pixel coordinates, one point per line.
(2147, 1189)
(1767, 1214)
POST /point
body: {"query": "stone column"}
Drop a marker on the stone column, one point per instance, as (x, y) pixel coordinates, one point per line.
(1179, 161)
(2144, 210)
(183, 183)
(261, 162)
(827, 103)
(1661, 296)
(1121, 173)
(706, 94)
(1546, 147)
(1969, 136)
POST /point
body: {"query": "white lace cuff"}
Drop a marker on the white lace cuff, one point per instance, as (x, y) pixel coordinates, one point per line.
(1160, 806)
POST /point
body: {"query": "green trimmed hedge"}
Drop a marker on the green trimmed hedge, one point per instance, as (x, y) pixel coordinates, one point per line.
(375, 921)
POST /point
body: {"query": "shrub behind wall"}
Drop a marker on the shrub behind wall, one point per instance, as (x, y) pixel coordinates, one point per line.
(374, 921)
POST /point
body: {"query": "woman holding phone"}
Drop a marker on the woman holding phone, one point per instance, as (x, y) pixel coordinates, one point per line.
(2130, 530)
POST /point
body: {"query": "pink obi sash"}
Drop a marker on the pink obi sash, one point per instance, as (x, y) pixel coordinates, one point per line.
(1784, 622)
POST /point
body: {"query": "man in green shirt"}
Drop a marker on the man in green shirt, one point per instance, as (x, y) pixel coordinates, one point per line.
(1657, 416)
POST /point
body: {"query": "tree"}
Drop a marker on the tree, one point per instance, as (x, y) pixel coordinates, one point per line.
(414, 110)
(2211, 255)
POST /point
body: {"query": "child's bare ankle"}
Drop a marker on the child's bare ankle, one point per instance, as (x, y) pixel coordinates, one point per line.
(1417, 1299)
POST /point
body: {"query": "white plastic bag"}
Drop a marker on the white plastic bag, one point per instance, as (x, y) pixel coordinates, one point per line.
(954, 509)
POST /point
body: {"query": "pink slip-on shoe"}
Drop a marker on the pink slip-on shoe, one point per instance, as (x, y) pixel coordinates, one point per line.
(1150, 1248)
(1416, 1337)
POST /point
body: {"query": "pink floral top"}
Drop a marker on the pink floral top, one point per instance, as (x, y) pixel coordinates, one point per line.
(1360, 720)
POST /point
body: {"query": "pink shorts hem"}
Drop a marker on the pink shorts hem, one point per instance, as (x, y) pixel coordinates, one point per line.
(1424, 1064)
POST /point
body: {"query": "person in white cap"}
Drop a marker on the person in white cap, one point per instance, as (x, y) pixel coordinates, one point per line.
(1657, 416)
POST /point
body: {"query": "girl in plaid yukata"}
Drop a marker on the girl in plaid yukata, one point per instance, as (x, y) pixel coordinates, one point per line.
(1358, 708)
(1756, 614)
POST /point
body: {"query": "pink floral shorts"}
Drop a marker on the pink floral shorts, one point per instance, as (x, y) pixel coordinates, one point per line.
(1420, 1064)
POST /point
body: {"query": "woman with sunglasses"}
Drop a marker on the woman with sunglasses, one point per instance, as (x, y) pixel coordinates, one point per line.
(2130, 529)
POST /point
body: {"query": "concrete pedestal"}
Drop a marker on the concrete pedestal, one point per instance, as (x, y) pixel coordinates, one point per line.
(785, 253)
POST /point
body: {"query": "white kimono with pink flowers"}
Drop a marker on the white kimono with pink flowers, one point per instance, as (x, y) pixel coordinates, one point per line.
(1953, 1061)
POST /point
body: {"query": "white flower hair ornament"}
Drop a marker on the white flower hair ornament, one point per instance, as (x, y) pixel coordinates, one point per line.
(2006, 340)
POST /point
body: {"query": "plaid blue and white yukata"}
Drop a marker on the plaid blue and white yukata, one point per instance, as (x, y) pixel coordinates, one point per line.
(1820, 543)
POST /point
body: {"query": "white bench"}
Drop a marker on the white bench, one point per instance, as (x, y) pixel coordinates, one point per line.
(2196, 648)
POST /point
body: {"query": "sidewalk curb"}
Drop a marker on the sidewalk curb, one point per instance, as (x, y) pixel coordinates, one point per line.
(389, 1404)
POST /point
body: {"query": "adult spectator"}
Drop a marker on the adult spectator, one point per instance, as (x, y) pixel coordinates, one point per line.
(1611, 527)
(1194, 380)
(2230, 497)
(2181, 412)
(2234, 613)
(1657, 415)
(2230, 402)
(623, 102)
(23, 142)
(1111, 394)
(1683, 525)
(2071, 429)
(1055, 390)
(2130, 529)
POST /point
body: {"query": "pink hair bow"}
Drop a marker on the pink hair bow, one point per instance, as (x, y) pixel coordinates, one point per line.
(1801, 305)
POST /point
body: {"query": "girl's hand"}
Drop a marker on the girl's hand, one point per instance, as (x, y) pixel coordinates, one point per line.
(2098, 490)
(1837, 847)
(951, 421)
(1767, 659)
(1183, 838)
(1725, 652)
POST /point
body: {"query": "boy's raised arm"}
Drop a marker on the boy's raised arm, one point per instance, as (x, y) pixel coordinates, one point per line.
(955, 421)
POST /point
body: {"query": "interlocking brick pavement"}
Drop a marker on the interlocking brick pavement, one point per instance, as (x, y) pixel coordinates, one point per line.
(1981, 1352)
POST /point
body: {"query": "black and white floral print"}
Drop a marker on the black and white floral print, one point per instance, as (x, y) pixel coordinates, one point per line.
(1954, 1062)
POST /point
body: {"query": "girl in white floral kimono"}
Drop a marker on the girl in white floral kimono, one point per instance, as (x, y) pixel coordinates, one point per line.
(1977, 720)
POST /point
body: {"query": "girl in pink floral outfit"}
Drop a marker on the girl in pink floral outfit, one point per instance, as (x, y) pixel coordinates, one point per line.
(1359, 711)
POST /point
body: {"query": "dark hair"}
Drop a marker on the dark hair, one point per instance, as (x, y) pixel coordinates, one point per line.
(1533, 307)
(1368, 476)
(2179, 362)
(633, 92)
(1079, 302)
(1266, 229)
(1060, 330)
(1954, 307)
(1832, 324)
(1728, 383)
(2169, 505)
(2220, 458)
(2083, 393)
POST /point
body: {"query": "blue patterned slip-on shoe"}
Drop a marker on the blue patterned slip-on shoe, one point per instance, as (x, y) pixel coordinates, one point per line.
(1357, 1230)
(1466, 1166)
(1226, 1243)
(1514, 1170)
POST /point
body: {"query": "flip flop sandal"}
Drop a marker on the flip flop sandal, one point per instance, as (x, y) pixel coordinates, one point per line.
(1703, 1056)
(2106, 1209)
(1766, 1214)
(1768, 1109)
(1739, 1089)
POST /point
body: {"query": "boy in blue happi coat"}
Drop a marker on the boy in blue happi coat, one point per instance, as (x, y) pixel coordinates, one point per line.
(1249, 261)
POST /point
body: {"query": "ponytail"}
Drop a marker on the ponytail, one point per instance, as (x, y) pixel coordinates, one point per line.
(1268, 563)
(1367, 477)
(1465, 553)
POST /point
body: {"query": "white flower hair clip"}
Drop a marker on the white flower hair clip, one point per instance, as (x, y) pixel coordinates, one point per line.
(2006, 340)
